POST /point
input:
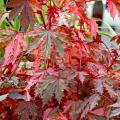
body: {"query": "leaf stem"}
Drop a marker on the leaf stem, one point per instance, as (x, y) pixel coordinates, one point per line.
(43, 20)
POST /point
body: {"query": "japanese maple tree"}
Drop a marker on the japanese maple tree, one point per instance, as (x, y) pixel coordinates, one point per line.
(54, 63)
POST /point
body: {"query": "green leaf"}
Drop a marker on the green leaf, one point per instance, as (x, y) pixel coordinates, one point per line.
(2, 20)
(59, 88)
(16, 23)
(34, 43)
(59, 47)
(2, 8)
(48, 93)
(47, 45)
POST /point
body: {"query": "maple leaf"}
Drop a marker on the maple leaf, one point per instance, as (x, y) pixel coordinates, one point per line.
(46, 113)
(76, 108)
(6, 36)
(45, 40)
(74, 54)
(24, 8)
(61, 2)
(68, 74)
(26, 110)
(93, 27)
(61, 116)
(112, 8)
(54, 114)
(99, 86)
(13, 50)
(88, 104)
(116, 39)
(115, 74)
(117, 3)
(99, 111)
(6, 107)
(72, 75)
(49, 87)
(116, 110)
(79, 12)
(52, 13)
(82, 76)
(105, 83)
(72, 107)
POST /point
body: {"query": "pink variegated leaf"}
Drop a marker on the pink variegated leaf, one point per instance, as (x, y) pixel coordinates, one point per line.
(93, 27)
(99, 111)
(46, 114)
(112, 8)
(14, 48)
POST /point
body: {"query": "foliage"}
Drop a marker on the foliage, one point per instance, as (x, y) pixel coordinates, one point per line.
(52, 69)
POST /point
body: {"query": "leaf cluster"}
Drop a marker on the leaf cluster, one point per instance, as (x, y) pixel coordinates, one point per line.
(54, 69)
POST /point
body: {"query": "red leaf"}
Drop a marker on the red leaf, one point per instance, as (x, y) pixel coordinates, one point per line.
(52, 13)
(99, 111)
(112, 8)
(26, 110)
(23, 6)
(116, 39)
(79, 12)
(46, 114)
(93, 27)
(13, 50)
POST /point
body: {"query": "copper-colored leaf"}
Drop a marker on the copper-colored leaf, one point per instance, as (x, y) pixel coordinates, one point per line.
(23, 6)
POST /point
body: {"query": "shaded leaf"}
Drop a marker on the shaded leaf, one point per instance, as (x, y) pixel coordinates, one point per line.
(6, 36)
(46, 113)
(26, 110)
(23, 6)
(116, 39)
(99, 86)
(82, 76)
(115, 112)
(49, 87)
(104, 84)
(88, 104)
(72, 107)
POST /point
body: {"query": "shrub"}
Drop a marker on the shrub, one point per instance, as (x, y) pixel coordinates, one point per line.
(54, 64)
